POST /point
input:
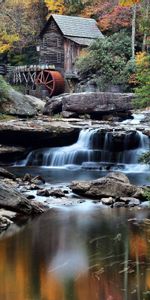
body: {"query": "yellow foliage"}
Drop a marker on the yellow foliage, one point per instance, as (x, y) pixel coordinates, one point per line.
(55, 6)
(140, 58)
(128, 2)
(7, 41)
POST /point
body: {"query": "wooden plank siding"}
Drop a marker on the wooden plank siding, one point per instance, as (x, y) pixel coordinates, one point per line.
(71, 51)
(52, 47)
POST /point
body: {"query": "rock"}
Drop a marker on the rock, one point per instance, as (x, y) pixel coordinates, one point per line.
(13, 200)
(37, 180)
(134, 202)
(21, 105)
(27, 177)
(53, 106)
(30, 197)
(112, 185)
(118, 176)
(56, 193)
(5, 174)
(51, 193)
(97, 102)
(37, 133)
(119, 204)
(107, 201)
(69, 114)
(43, 193)
(4, 223)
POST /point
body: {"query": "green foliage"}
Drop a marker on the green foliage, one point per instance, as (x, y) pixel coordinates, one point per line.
(143, 78)
(4, 86)
(26, 57)
(145, 158)
(109, 59)
(147, 193)
(74, 7)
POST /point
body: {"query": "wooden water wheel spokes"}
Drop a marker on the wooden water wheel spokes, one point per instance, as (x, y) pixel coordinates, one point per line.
(52, 80)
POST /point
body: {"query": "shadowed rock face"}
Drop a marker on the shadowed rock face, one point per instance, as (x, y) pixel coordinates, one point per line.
(114, 185)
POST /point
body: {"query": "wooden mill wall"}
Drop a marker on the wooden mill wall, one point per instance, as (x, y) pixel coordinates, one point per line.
(57, 50)
(52, 47)
(71, 51)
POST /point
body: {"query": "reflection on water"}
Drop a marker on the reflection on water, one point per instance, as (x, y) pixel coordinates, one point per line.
(75, 254)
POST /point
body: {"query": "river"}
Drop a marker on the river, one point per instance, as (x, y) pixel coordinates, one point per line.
(84, 251)
(78, 253)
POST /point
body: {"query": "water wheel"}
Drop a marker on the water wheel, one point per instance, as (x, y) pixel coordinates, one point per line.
(52, 80)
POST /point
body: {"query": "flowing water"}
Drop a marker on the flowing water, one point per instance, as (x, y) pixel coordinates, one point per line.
(82, 252)
(96, 153)
(78, 253)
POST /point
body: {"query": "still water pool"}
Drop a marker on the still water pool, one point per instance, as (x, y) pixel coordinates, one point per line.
(78, 253)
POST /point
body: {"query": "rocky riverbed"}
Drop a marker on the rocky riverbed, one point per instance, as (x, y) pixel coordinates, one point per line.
(26, 197)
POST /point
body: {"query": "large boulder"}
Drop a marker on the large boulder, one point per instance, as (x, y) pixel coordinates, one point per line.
(15, 103)
(13, 200)
(97, 102)
(114, 185)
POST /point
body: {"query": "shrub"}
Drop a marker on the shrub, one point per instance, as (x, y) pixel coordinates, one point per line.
(108, 59)
(143, 79)
(4, 86)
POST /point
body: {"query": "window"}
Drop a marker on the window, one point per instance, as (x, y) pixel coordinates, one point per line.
(58, 57)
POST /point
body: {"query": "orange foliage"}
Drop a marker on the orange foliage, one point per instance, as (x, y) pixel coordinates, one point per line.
(138, 246)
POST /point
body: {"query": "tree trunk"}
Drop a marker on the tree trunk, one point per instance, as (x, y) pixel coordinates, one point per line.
(133, 31)
(146, 15)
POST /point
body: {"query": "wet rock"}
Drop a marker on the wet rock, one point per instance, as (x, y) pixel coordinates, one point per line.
(5, 174)
(27, 177)
(119, 204)
(107, 201)
(43, 193)
(134, 202)
(51, 193)
(114, 185)
(118, 176)
(30, 197)
(57, 193)
(37, 180)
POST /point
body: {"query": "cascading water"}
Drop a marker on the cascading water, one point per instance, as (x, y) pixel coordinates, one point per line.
(105, 150)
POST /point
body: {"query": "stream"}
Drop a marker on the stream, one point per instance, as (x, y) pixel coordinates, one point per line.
(84, 251)
(78, 253)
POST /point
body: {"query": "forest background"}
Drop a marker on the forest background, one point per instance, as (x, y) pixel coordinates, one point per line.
(122, 57)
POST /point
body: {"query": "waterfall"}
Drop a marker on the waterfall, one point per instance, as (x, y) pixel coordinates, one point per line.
(93, 147)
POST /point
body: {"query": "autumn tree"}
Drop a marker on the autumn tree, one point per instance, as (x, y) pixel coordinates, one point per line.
(55, 6)
(133, 4)
(20, 23)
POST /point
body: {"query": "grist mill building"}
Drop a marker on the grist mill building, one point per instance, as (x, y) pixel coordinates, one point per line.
(62, 40)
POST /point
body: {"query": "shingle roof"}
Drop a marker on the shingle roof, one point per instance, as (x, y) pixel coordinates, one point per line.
(77, 26)
(81, 41)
